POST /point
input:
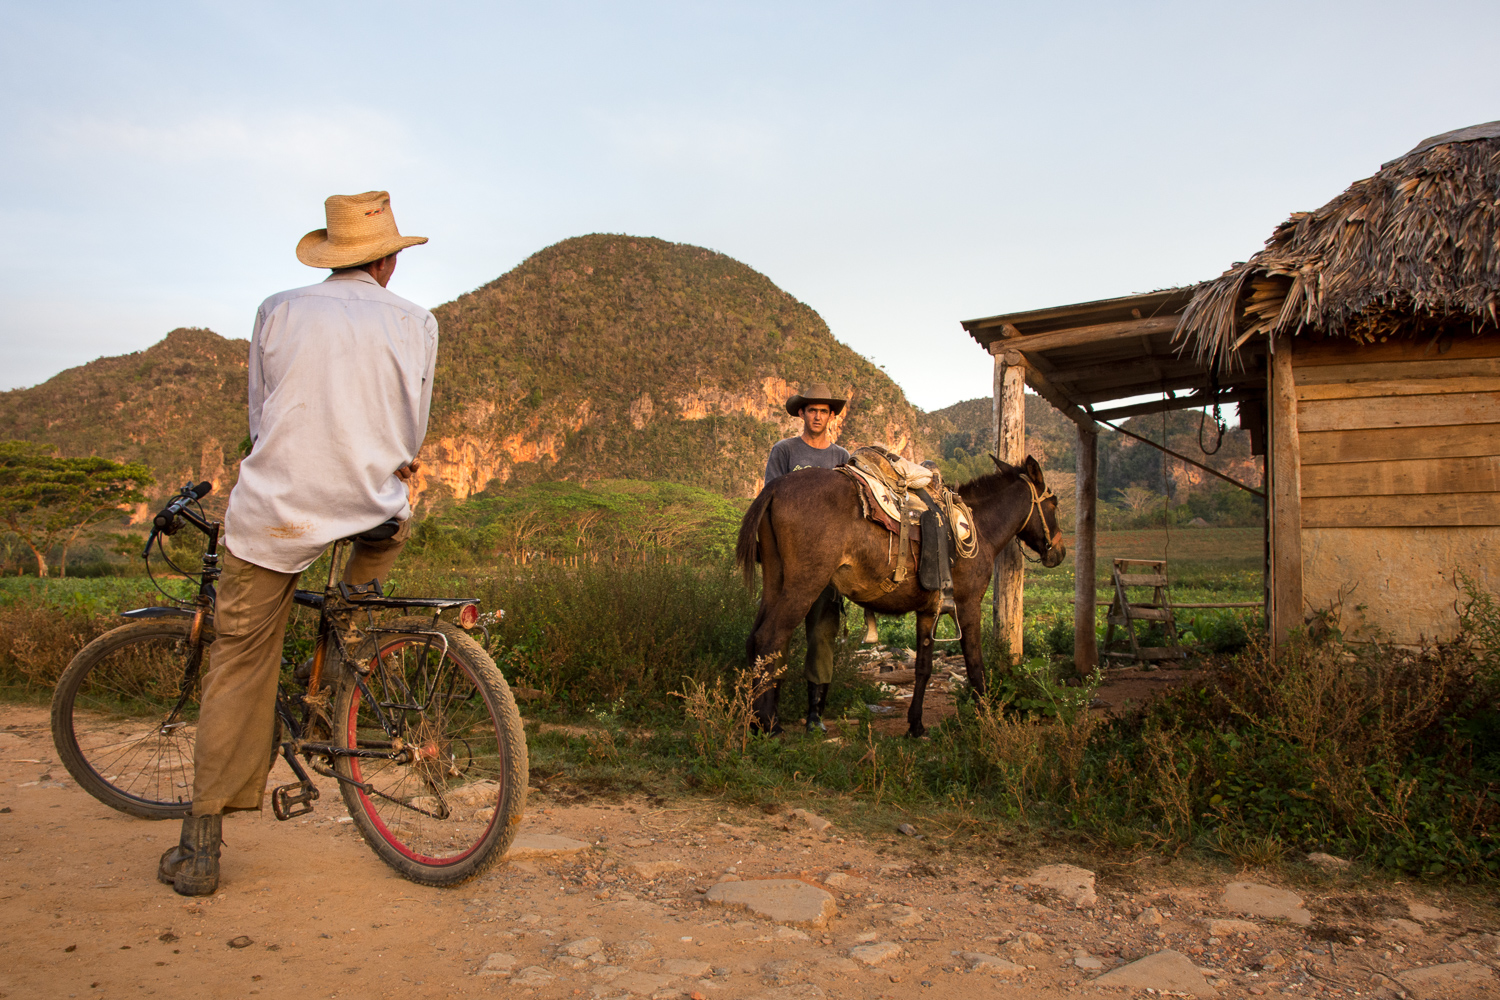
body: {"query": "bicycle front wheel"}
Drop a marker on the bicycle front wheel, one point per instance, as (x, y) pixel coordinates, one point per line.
(125, 717)
(439, 760)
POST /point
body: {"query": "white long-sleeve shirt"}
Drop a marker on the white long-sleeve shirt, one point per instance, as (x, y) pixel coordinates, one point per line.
(340, 388)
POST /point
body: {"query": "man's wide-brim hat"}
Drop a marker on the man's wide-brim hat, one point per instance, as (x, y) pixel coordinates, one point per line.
(360, 229)
(814, 392)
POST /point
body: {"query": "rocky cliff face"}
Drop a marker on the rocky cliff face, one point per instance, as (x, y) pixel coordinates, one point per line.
(615, 356)
(600, 357)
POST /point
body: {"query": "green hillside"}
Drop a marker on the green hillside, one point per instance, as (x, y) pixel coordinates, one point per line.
(602, 357)
(178, 406)
(624, 357)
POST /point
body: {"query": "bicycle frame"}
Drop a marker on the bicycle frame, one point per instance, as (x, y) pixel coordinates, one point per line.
(337, 607)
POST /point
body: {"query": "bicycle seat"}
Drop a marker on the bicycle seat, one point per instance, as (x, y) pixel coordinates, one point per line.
(379, 533)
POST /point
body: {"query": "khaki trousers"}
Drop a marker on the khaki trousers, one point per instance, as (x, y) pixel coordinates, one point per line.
(237, 714)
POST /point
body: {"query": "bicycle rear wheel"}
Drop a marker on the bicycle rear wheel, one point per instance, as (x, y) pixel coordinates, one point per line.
(447, 806)
(125, 717)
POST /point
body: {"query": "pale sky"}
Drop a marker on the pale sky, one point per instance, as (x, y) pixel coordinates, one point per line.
(898, 167)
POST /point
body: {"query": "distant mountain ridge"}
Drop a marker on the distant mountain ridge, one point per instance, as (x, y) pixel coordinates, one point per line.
(601, 357)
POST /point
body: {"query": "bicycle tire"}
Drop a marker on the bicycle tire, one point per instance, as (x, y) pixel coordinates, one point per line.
(119, 722)
(449, 813)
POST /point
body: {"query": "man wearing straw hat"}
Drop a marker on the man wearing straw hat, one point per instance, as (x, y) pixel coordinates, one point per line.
(340, 386)
(814, 449)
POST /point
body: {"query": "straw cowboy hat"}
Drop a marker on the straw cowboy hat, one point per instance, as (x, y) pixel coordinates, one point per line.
(814, 392)
(360, 229)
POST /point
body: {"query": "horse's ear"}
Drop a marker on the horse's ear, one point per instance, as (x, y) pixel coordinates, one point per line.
(998, 464)
(1034, 470)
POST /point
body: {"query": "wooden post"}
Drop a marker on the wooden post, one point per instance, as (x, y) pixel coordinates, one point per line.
(1010, 446)
(1085, 548)
(1285, 466)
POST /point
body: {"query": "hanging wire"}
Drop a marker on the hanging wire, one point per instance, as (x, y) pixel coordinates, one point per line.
(1213, 391)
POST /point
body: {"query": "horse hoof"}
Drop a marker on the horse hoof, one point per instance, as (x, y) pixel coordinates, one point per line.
(916, 733)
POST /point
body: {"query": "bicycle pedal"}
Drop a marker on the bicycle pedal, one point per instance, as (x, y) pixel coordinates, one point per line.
(296, 799)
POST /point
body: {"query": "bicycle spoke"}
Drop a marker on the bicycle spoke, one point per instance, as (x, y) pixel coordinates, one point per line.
(127, 722)
(436, 803)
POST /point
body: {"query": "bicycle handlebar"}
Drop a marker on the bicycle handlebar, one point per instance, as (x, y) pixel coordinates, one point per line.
(164, 521)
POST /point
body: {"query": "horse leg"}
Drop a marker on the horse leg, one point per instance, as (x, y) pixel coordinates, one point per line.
(926, 625)
(969, 620)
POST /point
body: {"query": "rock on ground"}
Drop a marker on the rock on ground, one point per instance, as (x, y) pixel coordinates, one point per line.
(497, 964)
(1265, 901)
(688, 967)
(532, 975)
(639, 983)
(1426, 914)
(786, 901)
(582, 947)
(1444, 976)
(874, 954)
(654, 869)
(543, 845)
(978, 961)
(1328, 861)
(1405, 928)
(904, 916)
(1068, 882)
(1164, 971)
(846, 883)
(814, 822)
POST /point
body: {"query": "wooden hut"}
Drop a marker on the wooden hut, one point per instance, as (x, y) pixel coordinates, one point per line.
(1363, 348)
(1377, 313)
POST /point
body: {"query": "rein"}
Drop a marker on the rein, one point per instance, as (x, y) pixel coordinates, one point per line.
(1036, 508)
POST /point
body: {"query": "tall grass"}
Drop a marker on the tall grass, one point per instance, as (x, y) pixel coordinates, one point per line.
(1389, 756)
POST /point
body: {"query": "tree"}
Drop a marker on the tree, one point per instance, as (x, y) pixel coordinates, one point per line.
(45, 499)
(1138, 499)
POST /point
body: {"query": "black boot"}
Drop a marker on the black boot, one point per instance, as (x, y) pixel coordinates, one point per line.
(815, 706)
(192, 867)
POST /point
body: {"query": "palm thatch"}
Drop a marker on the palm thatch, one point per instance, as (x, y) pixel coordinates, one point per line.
(1411, 251)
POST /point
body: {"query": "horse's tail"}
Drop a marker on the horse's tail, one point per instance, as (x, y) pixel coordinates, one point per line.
(745, 550)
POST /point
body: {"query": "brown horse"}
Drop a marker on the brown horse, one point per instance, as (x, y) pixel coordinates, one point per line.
(811, 531)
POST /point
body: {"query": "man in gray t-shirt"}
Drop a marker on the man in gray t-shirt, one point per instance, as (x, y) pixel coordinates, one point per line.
(814, 449)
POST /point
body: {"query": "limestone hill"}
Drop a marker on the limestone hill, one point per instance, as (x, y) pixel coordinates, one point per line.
(601, 357)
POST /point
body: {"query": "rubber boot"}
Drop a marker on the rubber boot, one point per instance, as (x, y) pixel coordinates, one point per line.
(192, 867)
(815, 707)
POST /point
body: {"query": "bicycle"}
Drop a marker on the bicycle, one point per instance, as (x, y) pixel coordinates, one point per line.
(411, 717)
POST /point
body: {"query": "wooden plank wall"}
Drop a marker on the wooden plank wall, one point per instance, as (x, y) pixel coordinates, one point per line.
(1400, 478)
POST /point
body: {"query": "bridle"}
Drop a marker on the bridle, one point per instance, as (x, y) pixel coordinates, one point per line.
(1037, 496)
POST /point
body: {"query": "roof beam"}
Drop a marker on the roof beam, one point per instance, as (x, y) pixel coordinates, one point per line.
(1081, 336)
(1043, 387)
(1179, 403)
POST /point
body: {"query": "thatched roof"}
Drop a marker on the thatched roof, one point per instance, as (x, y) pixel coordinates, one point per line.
(1411, 250)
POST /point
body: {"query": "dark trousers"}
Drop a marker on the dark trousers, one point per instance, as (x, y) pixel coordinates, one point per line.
(822, 629)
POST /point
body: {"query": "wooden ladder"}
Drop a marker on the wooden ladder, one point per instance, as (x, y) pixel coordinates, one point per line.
(1124, 613)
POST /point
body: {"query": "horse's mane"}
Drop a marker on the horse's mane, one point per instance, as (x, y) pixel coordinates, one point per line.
(990, 482)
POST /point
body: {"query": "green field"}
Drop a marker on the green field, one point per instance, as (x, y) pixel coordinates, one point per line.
(1388, 758)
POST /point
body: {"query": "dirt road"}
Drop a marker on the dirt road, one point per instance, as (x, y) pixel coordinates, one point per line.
(621, 898)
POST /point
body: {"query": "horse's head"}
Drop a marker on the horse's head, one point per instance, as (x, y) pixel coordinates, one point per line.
(1040, 532)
